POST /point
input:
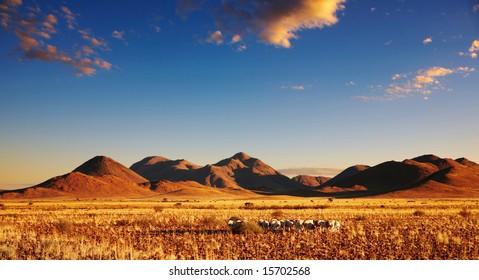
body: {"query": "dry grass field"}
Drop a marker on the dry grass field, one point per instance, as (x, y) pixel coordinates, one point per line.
(192, 230)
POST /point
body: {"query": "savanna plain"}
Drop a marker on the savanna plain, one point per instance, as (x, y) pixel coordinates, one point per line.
(167, 229)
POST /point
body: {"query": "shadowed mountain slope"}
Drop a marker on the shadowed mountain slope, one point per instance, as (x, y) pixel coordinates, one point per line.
(236, 172)
(350, 171)
(424, 176)
(157, 168)
(310, 181)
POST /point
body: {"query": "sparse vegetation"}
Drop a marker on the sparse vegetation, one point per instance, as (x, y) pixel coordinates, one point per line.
(132, 230)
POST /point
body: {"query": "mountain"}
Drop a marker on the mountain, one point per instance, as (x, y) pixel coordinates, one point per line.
(239, 176)
(466, 162)
(157, 168)
(348, 172)
(98, 177)
(240, 171)
(102, 165)
(310, 181)
(424, 176)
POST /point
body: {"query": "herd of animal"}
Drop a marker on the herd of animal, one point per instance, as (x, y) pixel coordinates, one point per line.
(275, 225)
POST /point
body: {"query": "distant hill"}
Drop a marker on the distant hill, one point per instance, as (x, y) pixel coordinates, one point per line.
(244, 176)
(424, 176)
(311, 181)
(102, 165)
(99, 177)
(157, 168)
(240, 171)
(348, 172)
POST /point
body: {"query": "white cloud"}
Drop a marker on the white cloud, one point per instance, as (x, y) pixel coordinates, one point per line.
(120, 35)
(423, 82)
(427, 41)
(294, 87)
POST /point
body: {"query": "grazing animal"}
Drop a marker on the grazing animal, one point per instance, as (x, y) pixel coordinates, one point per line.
(288, 225)
(275, 225)
(322, 225)
(308, 224)
(298, 224)
(264, 224)
(235, 225)
(334, 225)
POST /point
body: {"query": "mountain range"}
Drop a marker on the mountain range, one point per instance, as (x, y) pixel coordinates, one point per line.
(242, 176)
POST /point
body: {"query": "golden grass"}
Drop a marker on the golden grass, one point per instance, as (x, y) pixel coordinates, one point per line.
(115, 229)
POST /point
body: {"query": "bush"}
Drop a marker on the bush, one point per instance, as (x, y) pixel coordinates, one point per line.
(6, 253)
(359, 218)
(277, 214)
(211, 222)
(64, 226)
(465, 213)
(246, 228)
(158, 208)
(419, 213)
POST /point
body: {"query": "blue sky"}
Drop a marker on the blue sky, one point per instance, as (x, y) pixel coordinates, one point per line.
(316, 84)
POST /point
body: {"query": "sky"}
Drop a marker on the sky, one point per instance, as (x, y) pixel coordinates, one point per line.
(307, 86)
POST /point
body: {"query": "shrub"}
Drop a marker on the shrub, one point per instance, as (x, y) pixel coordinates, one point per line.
(158, 208)
(246, 228)
(277, 214)
(359, 218)
(419, 213)
(64, 226)
(465, 213)
(6, 253)
(211, 222)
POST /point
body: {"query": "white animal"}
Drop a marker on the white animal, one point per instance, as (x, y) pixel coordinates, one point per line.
(334, 225)
(275, 225)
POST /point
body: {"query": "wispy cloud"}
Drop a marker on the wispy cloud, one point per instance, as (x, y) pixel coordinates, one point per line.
(120, 35)
(474, 48)
(216, 38)
(294, 87)
(186, 7)
(36, 33)
(475, 8)
(423, 82)
(236, 38)
(427, 41)
(69, 17)
(241, 48)
(276, 22)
